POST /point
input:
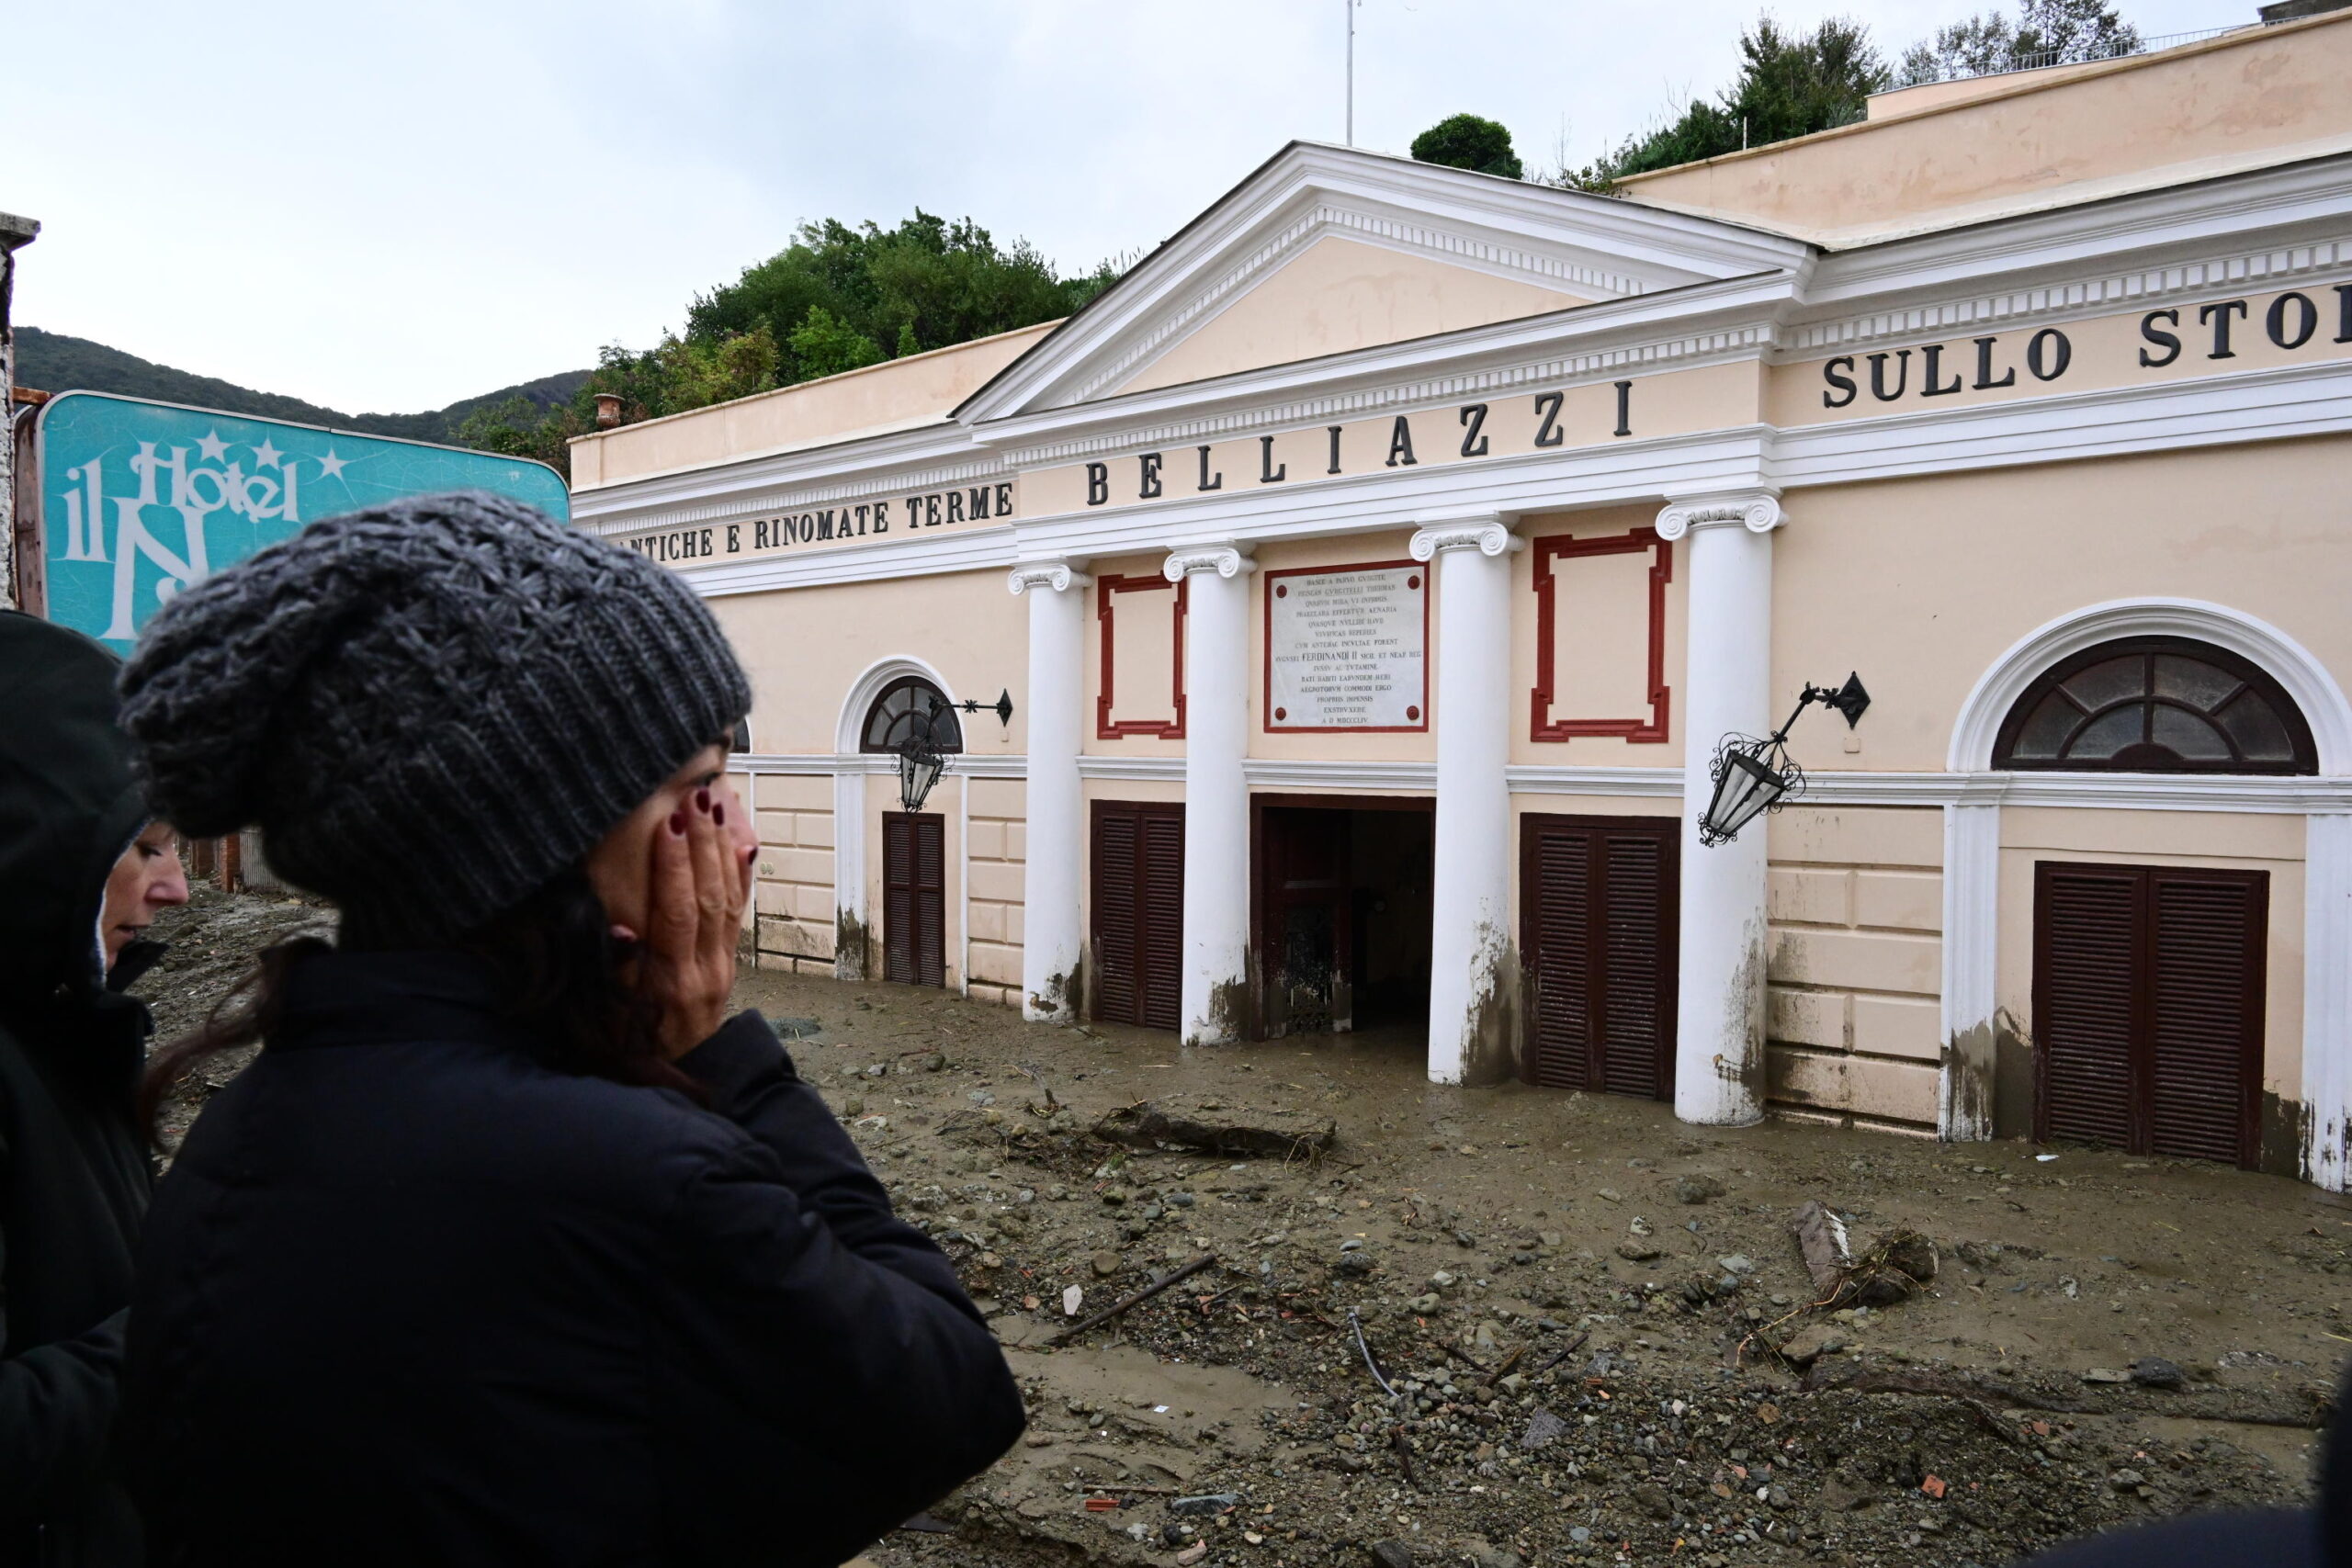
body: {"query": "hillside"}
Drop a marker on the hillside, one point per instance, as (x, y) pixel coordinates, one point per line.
(55, 363)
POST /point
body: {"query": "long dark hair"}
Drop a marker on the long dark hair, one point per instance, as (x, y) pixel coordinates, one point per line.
(559, 970)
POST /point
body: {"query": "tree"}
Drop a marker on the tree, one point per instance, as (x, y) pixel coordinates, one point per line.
(827, 302)
(2047, 32)
(1789, 85)
(1466, 141)
(926, 283)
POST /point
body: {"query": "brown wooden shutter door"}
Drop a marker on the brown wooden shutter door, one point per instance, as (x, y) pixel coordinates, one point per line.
(2148, 1007)
(1598, 897)
(1137, 911)
(914, 898)
(2205, 1039)
(1161, 967)
(2086, 965)
(1114, 914)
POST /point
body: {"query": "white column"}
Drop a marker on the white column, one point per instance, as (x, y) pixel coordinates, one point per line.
(1965, 1087)
(2327, 999)
(1719, 1027)
(1215, 994)
(1052, 939)
(852, 932)
(1474, 971)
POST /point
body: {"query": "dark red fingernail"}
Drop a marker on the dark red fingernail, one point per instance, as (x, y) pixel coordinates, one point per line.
(718, 816)
(678, 823)
(702, 800)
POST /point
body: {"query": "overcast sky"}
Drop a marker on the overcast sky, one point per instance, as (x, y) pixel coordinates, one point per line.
(386, 208)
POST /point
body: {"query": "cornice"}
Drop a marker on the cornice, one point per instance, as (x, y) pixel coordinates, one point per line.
(788, 481)
(1705, 323)
(2140, 287)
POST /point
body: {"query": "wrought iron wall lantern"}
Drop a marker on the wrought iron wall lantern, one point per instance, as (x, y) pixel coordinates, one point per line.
(1753, 776)
(920, 757)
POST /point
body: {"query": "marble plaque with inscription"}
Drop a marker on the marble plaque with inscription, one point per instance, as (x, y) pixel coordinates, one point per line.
(1345, 648)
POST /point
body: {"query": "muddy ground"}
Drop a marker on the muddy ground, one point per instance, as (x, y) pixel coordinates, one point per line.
(1576, 1300)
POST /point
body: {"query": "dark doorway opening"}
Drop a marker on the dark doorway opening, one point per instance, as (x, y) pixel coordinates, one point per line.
(914, 898)
(1340, 912)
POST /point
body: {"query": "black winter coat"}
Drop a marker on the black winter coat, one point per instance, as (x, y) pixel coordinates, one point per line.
(407, 1296)
(73, 1170)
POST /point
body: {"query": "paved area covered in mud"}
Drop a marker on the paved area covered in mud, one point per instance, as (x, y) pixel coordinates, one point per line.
(1575, 1304)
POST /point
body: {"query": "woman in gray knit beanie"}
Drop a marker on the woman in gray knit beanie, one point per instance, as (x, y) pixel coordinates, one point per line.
(507, 1249)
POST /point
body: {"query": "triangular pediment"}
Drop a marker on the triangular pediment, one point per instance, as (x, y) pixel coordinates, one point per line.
(1324, 250)
(1339, 294)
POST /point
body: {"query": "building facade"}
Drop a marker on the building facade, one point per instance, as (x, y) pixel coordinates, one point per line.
(1374, 570)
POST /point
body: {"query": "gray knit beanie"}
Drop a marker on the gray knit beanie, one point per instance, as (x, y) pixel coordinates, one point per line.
(429, 709)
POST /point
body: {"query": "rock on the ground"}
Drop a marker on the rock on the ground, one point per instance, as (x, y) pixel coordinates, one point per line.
(1392, 1555)
(2155, 1372)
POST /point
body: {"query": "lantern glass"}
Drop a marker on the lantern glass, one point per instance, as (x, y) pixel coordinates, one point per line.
(920, 766)
(1746, 786)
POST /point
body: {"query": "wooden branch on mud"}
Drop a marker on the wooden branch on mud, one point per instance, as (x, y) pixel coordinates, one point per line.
(1115, 1308)
(2250, 1408)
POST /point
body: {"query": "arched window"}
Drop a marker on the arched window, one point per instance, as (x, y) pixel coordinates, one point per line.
(2156, 705)
(910, 707)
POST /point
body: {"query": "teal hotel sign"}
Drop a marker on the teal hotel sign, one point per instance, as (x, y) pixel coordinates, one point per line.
(139, 499)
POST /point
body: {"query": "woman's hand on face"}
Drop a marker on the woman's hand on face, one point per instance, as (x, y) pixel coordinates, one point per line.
(696, 890)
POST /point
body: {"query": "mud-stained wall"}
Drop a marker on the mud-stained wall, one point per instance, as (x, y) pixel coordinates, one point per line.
(997, 830)
(1854, 977)
(792, 895)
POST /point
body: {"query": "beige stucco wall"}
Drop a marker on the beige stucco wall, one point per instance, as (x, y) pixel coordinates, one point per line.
(897, 394)
(1600, 642)
(997, 842)
(804, 649)
(1854, 906)
(1137, 693)
(2263, 96)
(792, 898)
(1921, 584)
(1336, 295)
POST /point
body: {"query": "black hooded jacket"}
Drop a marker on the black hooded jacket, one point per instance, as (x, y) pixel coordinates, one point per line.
(73, 1170)
(409, 1296)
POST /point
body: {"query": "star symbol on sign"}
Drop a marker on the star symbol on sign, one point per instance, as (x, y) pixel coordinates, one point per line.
(266, 456)
(330, 466)
(215, 450)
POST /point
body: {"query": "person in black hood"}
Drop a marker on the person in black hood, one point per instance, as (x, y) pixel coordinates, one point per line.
(81, 873)
(510, 1249)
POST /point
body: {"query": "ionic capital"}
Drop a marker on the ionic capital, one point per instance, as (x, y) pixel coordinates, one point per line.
(1226, 560)
(1487, 535)
(1756, 513)
(1057, 575)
